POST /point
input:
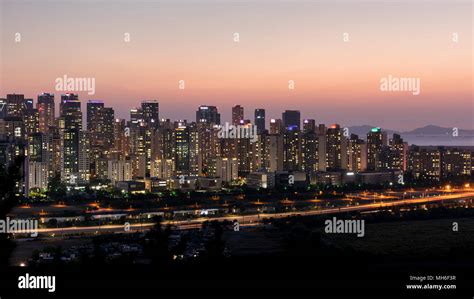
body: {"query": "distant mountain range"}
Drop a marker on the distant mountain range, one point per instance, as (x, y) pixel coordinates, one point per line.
(427, 135)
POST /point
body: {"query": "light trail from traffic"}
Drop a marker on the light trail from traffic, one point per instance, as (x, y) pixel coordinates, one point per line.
(254, 219)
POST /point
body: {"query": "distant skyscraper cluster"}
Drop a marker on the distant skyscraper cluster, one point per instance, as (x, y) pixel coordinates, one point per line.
(164, 154)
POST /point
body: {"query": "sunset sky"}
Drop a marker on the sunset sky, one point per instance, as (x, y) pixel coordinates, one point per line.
(335, 81)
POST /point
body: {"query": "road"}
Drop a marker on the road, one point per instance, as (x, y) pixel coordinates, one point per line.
(251, 220)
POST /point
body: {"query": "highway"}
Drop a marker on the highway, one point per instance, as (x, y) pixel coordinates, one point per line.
(252, 220)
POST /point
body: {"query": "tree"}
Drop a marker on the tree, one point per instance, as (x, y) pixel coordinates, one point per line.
(158, 243)
(56, 188)
(216, 245)
(9, 178)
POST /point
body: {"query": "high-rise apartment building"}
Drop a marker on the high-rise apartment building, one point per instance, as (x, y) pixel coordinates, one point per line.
(291, 119)
(237, 115)
(46, 111)
(260, 120)
(208, 114)
(376, 144)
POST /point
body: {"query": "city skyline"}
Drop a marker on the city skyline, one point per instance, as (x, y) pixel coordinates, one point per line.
(333, 79)
(148, 147)
(228, 117)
